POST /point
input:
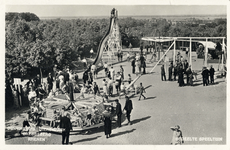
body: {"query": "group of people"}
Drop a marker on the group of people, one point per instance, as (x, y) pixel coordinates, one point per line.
(118, 111)
(181, 69)
(139, 64)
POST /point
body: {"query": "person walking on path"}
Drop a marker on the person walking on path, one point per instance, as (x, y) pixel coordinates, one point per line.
(188, 73)
(118, 113)
(142, 90)
(163, 77)
(66, 126)
(107, 122)
(212, 72)
(177, 138)
(128, 108)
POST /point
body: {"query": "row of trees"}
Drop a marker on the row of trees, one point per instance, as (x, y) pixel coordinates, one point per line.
(32, 44)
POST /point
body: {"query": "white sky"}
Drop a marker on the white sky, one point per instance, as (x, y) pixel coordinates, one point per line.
(123, 10)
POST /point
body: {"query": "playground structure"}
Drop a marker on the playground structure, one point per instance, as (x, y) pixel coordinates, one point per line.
(110, 43)
(207, 44)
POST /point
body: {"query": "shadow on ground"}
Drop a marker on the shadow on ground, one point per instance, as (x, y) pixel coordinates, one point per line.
(84, 140)
(121, 133)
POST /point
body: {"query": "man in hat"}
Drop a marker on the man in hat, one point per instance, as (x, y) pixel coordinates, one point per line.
(66, 126)
(128, 108)
(118, 113)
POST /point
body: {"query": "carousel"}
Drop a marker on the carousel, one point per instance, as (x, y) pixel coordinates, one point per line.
(85, 113)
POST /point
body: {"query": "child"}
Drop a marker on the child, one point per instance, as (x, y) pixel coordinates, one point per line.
(142, 90)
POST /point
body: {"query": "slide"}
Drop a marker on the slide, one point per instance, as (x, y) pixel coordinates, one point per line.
(102, 43)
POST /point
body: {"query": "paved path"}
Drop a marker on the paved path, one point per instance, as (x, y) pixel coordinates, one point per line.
(199, 110)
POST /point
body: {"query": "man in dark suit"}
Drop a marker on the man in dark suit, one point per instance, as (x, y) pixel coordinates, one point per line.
(66, 126)
(205, 75)
(212, 72)
(118, 113)
(128, 107)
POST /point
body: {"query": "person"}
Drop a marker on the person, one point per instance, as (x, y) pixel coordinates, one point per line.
(122, 71)
(128, 108)
(26, 124)
(133, 66)
(175, 71)
(142, 90)
(107, 122)
(93, 71)
(118, 113)
(177, 138)
(66, 126)
(106, 69)
(212, 72)
(37, 81)
(95, 89)
(121, 56)
(118, 55)
(118, 83)
(85, 77)
(144, 66)
(163, 77)
(84, 62)
(110, 86)
(122, 89)
(83, 89)
(112, 72)
(32, 95)
(189, 73)
(180, 76)
(40, 92)
(170, 72)
(104, 83)
(205, 73)
(90, 77)
(50, 82)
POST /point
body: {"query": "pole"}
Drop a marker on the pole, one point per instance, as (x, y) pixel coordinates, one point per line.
(222, 61)
(162, 57)
(190, 53)
(174, 53)
(206, 53)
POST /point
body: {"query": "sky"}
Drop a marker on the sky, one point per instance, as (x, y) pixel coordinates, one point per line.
(123, 10)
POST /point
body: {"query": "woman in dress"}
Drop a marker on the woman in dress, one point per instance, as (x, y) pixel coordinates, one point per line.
(107, 122)
(177, 138)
